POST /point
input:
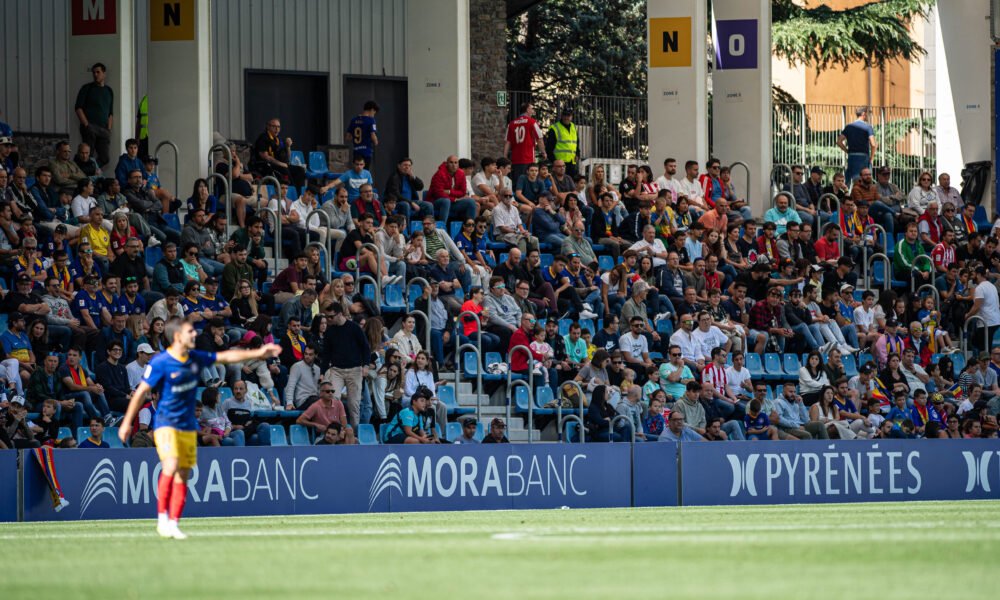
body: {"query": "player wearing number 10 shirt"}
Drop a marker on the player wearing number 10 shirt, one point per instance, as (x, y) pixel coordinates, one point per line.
(523, 136)
(176, 373)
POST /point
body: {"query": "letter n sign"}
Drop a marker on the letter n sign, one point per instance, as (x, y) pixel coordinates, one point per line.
(736, 44)
(670, 42)
(94, 17)
(171, 20)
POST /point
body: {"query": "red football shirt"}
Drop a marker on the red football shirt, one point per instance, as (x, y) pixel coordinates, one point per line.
(522, 134)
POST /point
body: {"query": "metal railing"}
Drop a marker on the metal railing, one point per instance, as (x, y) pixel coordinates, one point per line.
(560, 420)
(746, 169)
(617, 418)
(510, 376)
(229, 177)
(367, 277)
(776, 182)
(177, 159)
(378, 261)
(264, 181)
(806, 134)
(328, 239)
(513, 384)
(479, 373)
(934, 292)
(865, 254)
(427, 329)
(914, 270)
(964, 343)
(276, 236)
(886, 271)
(225, 192)
(791, 200)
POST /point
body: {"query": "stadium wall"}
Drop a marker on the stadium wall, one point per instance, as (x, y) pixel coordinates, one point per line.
(120, 484)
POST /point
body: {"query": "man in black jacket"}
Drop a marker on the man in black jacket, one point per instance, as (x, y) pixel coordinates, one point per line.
(346, 350)
(406, 187)
(114, 377)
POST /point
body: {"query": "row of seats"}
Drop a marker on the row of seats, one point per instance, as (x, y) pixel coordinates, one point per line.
(299, 435)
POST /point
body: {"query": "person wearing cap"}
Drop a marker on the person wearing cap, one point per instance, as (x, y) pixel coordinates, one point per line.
(24, 298)
(143, 353)
(469, 427)
(495, 433)
(88, 308)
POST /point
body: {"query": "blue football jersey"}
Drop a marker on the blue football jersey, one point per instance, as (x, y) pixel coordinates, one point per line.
(177, 382)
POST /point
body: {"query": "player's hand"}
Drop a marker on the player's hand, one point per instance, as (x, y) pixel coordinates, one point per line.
(124, 431)
(271, 350)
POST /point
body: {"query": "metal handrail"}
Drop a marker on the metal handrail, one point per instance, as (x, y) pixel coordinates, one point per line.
(887, 272)
(357, 263)
(510, 371)
(914, 270)
(511, 384)
(177, 154)
(778, 166)
(424, 284)
(864, 249)
(225, 192)
(321, 248)
(580, 417)
(583, 429)
(819, 203)
(427, 329)
(263, 183)
(614, 420)
(229, 177)
(986, 334)
(329, 238)
(276, 236)
(378, 292)
(746, 168)
(791, 200)
(934, 290)
(479, 372)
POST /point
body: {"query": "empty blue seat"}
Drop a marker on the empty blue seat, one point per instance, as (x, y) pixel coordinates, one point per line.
(82, 433)
(546, 260)
(588, 324)
(153, 255)
(564, 326)
(299, 435)
(172, 220)
(864, 358)
(318, 168)
(392, 299)
(297, 158)
(225, 393)
(277, 435)
(850, 365)
(454, 228)
(293, 193)
(454, 430)
(65, 432)
(605, 262)
(755, 365)
(520, 399)
(480, 432)
(446, 394)
(772, 367)
(958, 361)
(982, 221)
(416, 226)
(571, 432)
(111, 437)
(790, 364)
(543, 396)
(368, 291)
(666, 327)
(366, 434)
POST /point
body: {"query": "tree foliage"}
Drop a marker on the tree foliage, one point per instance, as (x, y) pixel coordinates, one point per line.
(872, 34)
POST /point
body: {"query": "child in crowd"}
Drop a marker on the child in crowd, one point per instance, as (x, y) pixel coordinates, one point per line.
(930, 318)
(652, 382)
(875, 413)
(758, 425)
(542, 348)
(652, 422)
(900, 411)
(591, 348)
(628, 380)
(207, 436)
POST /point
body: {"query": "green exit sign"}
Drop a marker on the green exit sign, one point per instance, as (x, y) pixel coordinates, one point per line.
(501, 98)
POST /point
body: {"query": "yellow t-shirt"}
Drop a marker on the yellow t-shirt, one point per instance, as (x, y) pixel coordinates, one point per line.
(100, 240)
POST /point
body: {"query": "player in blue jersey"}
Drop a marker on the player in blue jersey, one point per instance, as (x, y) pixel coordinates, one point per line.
(360, 133)
(176, 374)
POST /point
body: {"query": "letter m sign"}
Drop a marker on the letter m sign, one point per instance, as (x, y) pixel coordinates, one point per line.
(94, 17)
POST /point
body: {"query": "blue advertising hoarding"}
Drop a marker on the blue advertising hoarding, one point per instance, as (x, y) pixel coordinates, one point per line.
(8, 485)
(839, 471)
(121, 484)
(654, 474)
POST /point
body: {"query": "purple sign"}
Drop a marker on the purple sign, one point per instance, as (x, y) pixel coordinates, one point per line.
(736, 44)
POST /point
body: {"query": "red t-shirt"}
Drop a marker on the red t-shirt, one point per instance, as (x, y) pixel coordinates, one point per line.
(522, 134)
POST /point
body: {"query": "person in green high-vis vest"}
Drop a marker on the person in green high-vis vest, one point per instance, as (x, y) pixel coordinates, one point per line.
(561, 141)
(142, 126)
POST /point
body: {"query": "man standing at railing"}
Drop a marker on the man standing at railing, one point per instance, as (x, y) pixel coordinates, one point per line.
(858, 141)
(561, 141)
(523, 136)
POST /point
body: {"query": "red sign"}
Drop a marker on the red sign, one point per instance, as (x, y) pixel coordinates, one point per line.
(94, 17)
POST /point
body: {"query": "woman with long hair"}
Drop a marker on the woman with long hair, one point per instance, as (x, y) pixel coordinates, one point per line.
(421, 373)
(472, 330)
(317, 331)
(812, 378)
(892, 377)
(406, 341)
(825, 411)
(192, 268)
(388, 389)
(646, 184)
(38, 335)
(121, 231)
(599, 416)
(920, 196)
(201, 198)
(155, 337)
(244, 305)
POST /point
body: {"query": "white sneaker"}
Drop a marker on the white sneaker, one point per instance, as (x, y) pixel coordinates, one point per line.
(661, 316)
(845, 349)
(951, 350)
(153, 242)
(164, 530)
(588, 307)
(586, 314)
(175, 531)
(63, 503)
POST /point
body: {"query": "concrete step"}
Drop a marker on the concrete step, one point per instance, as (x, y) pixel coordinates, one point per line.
(523, 435)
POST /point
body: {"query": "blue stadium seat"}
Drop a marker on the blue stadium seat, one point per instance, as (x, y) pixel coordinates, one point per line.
(665, 327)
(446, 393)
(293, 193)
(772, 367)
(225, 393)
(172, 220)
(544, 395)
(318, 169)
(277, 435)
(982, 221)
(366, 435)
(111, 437)
(588, 324)
(153, 255)
(755, 365)
(454, 228)
(520, 399)
(605, 262)
(958, 361)
(564, 326)
(454, 430)
(850, 365)
(299, 435)
(480, 432)
(864, 357)
(546, 260)
(82, 433)
(571, 432)
(297, 158)
(416, 226)
(790, 364)
(368, 291)
(65, 432)
(440, 226)
(655, 356)
(392, 300)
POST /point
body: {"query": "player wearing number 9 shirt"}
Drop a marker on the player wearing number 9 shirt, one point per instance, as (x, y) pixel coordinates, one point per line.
(176, 373)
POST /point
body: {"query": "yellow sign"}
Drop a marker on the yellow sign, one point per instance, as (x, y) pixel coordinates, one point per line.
(670, 42)
(171, 20)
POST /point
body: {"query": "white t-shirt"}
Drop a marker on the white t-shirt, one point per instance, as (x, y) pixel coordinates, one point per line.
(736, 379)
(81, 206)
(706, 341)
(687, 344)
(636, 346)
(990, 308)
(657, 248)
(480, 179)
(864, 318)
(505, 216)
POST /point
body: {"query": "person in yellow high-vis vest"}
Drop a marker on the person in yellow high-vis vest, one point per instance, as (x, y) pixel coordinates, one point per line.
(561, 141)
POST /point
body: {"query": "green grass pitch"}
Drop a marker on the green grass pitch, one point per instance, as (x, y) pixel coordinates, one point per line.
(902, 550)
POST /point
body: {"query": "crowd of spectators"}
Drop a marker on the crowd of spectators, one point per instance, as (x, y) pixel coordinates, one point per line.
(658, 294)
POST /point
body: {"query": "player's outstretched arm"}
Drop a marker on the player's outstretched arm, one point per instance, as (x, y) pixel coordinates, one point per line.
(237, 356)
(125, 429)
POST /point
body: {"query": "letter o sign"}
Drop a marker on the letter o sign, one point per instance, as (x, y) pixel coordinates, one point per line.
(736, 44)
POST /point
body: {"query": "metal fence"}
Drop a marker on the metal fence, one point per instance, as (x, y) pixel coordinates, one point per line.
(607, 126)
(806, 134)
